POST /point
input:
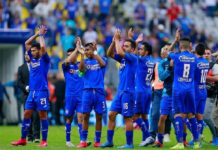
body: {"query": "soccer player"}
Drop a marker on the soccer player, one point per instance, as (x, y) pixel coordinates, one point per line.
(93, 92)
(165, 72)
(38, 86)
(183, 93)
(200, 86)
(124, 100)
(144, 72)
(73, 91)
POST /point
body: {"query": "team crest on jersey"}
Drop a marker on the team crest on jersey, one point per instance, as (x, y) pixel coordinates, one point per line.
(149, 64)
(184, 58)
(123, 64)
(36, 64)
(202, 65)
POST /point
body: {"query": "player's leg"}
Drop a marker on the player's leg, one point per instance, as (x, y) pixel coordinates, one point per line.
(100, 108)
(44, 126)
(98, 128)
(115, 108)
(29, 108)
(178, 108)
(42, 106)
(87, 104)
(80, 121)
(127, 100)
(140, 105)
(69, 120)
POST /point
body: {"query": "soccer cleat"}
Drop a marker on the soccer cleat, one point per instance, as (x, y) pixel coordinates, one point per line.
(30, 140)
(157, 144)
(166, 138)
(197, 145)
(19, 142)
(36, 140)
(191, 143)
(88, 143)
(43, 144)
(186, 144)
(125, 146)
(178, 146)
(82, 144)
(148, 141)
(215, 142)
(97, 144)
(106, 144)
(69, 144)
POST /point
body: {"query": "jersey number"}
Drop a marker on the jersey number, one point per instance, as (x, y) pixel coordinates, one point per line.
(149, 74)
(186, 70)
(203, 75)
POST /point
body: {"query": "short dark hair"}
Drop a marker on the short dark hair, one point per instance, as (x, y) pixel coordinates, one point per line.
(147, 47)
(132, 42)
(185, 39)
(88, 44)
(70, 50)
(200, 49)
(168, 44)
(36, 45)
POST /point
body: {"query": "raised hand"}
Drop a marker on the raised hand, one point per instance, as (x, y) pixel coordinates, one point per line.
(42, 29)
(177, 38)
(117, 35)
(130, 33)
(139, 38)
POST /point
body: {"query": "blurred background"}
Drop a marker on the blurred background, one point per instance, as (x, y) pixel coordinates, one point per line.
(93, 20)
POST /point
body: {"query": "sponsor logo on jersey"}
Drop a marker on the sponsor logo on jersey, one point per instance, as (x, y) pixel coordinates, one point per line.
(202, 65)
(93, 67)
(73, 71)
(150, 64)
(184, 58)
(123, 64)
(36, 64)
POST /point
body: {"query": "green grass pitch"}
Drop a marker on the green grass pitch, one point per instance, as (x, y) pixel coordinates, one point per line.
(56, 139)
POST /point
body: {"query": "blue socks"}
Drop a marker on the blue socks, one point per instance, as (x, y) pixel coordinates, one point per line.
(146, 123)
(84, 135)
(200, 126)
(188, 125)
(184, 136)
(25, 128)
(68, 131)
(143, 127)
(194, 128)
(44, 128)
(80, 130)
(179, 128)
(160, 137)
(129, 137)
(110, 135)
(97, 136)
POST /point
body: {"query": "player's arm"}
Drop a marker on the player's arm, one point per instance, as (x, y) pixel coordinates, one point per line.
(163, 73)
(110, 51)
(6, 94)
(97, 57)
(42, 31)
(73, 55)
(30, 40)
(213, 78)
(176, 40)
(82, 64)
(119, 50)
(137, 41)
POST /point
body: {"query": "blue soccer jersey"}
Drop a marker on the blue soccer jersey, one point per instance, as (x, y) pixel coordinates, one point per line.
(127, 72)
(94, 74)
(144, 72)
(74, 83)
(200, 84)
(183, 93)
(38, 72)
(184, 69)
